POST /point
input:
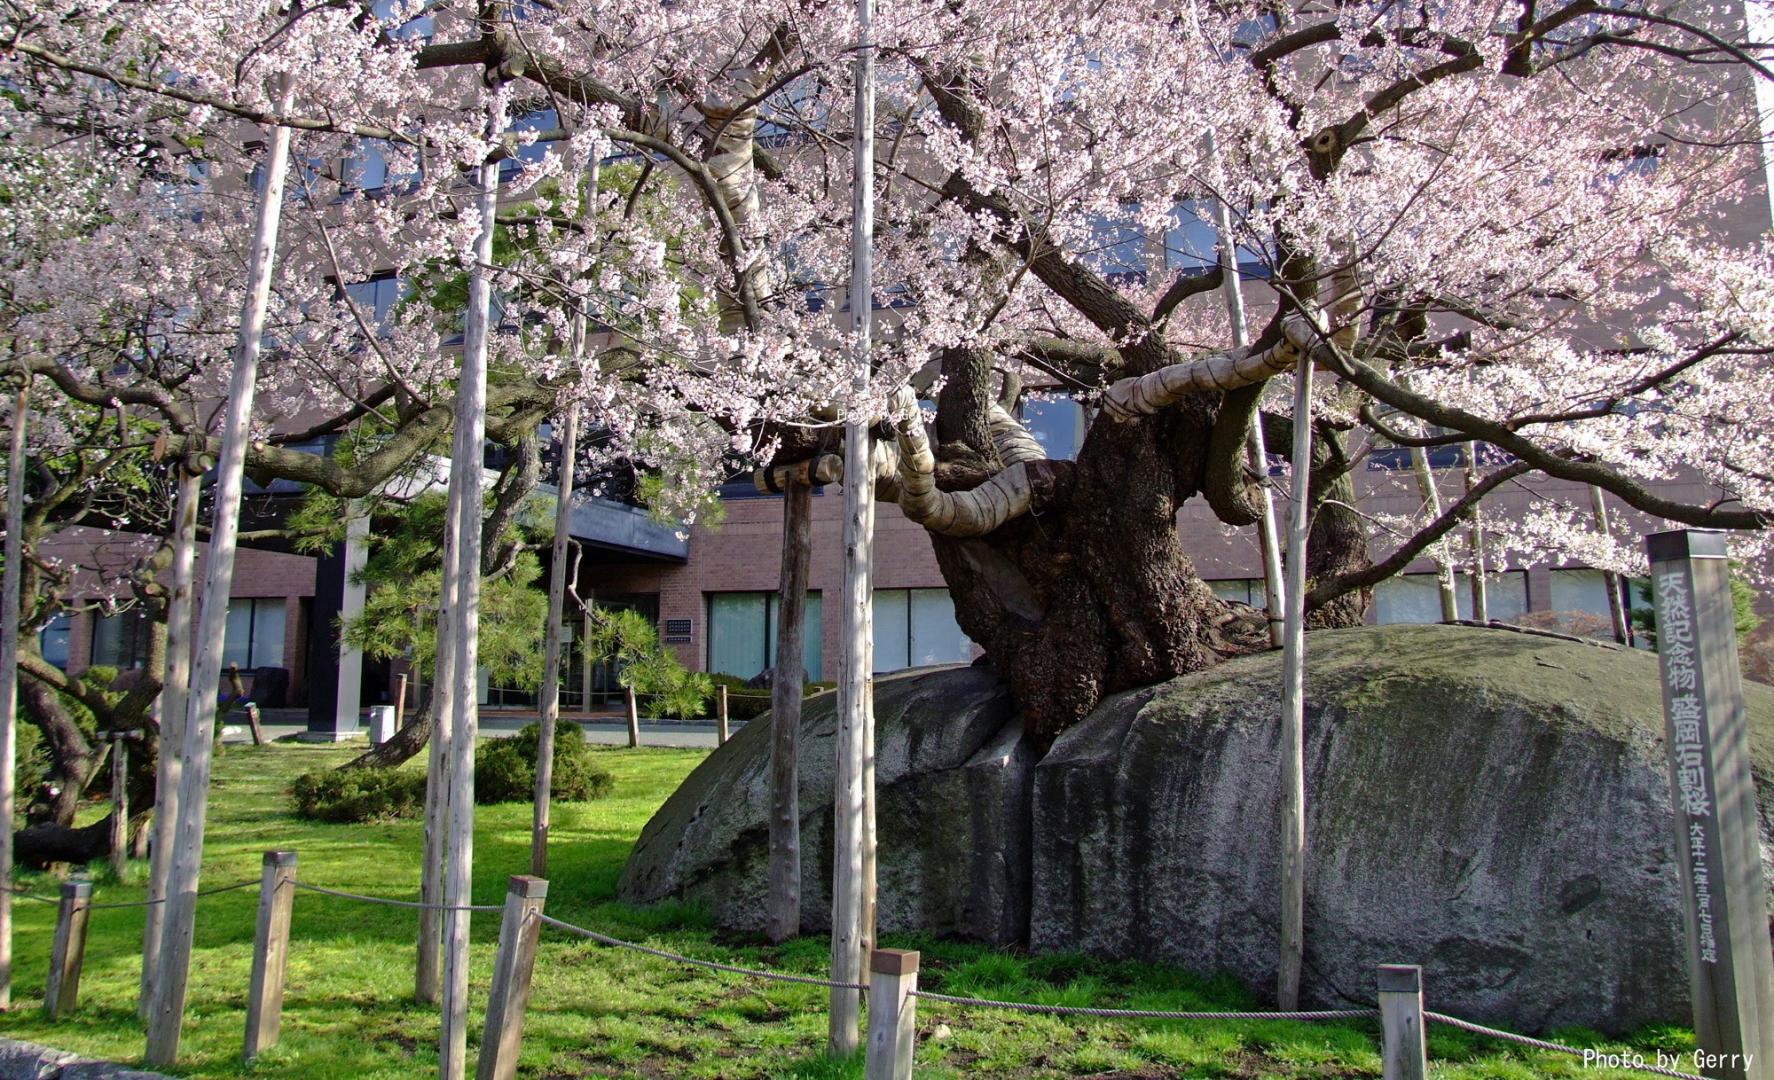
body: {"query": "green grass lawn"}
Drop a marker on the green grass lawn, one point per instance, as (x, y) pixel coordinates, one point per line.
(597, 1011)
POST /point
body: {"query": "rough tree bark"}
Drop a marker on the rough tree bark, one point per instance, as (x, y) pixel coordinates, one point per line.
(783, 913)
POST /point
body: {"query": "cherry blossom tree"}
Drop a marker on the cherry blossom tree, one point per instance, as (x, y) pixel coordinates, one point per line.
(1515, 224)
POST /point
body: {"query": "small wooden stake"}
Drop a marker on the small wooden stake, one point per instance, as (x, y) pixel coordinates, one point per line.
(634, 717)
(264, 999)
(512, 968)
(62, 993)
(1403, 1053)
(893, 1014)
(119, 803)
(721, 735)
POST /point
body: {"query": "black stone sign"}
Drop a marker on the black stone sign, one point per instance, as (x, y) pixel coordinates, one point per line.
(1717, 846)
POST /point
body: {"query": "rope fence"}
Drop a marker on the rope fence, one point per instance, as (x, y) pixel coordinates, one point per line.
(118, 905)
(892, 987)
(1551, 1047)
(1142, 1014)
(715, 965)
(389, 901)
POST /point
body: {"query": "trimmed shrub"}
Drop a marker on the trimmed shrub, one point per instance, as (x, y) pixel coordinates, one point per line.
(354, 795)
(505, 769)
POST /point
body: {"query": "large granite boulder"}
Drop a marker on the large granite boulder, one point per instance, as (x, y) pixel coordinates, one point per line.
(952, 778)
(1491, 805)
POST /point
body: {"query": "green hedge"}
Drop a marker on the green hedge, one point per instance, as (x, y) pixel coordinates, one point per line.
(504, 771)
(352, 795)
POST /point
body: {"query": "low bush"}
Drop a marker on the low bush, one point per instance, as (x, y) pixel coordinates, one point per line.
(353, 795)
(505, 769)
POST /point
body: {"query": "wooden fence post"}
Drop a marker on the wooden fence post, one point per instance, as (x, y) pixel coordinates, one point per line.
(271, 943)
(119, 803)
(893, 1014)
(634, 717)
(1403, 1051)
(69, 952)
(510, 996)
(721, 735)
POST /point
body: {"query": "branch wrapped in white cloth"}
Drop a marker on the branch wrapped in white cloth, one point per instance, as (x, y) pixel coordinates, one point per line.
(1012, 441)
(1149, 394)
(951, 513)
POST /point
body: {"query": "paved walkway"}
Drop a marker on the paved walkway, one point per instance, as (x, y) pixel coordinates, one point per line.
(497, 725)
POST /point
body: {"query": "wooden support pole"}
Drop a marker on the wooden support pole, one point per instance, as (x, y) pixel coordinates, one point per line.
(1481, 600)
(1256, 452)
(552, 641)
(1713, 791)
(1404, 1053)
(512, 968)
(62, 993)
(1616, 602)
(1293, 706)
(400, 700)
(174, 702)
(9, 623)
(849, 837)
(166, 1013)
(467, 456)
(634, 717)
(893, 1014)
(428, 964)
(721, 733)
(1444, 570)
(271, 948)
(782, 917)
(119, 803)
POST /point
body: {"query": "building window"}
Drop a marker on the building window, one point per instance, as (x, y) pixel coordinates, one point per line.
(916, 627)
(1191, 245)
(121, 640)
(1057, 423)
(742, 628)
(367, 169)
(421, 28)
(255, 634)
(1416, 598)
(1579, 602)
(376, 298)
(1244, 590)
(54, 640)
(1117, 248)
(533, 154)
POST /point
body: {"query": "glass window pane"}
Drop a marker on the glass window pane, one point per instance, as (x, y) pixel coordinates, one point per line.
(1244, 590)
(1580, 590)
(267, 633)
(812, 648)
(892, 630)
(1411, 598)
(236, 647)
(120, 641)
(1057, 424)
(55, 640)
(936, 637)
(736, 644)
(1506, 595)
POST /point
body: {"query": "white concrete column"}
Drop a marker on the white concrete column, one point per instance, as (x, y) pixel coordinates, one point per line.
(350, 701)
